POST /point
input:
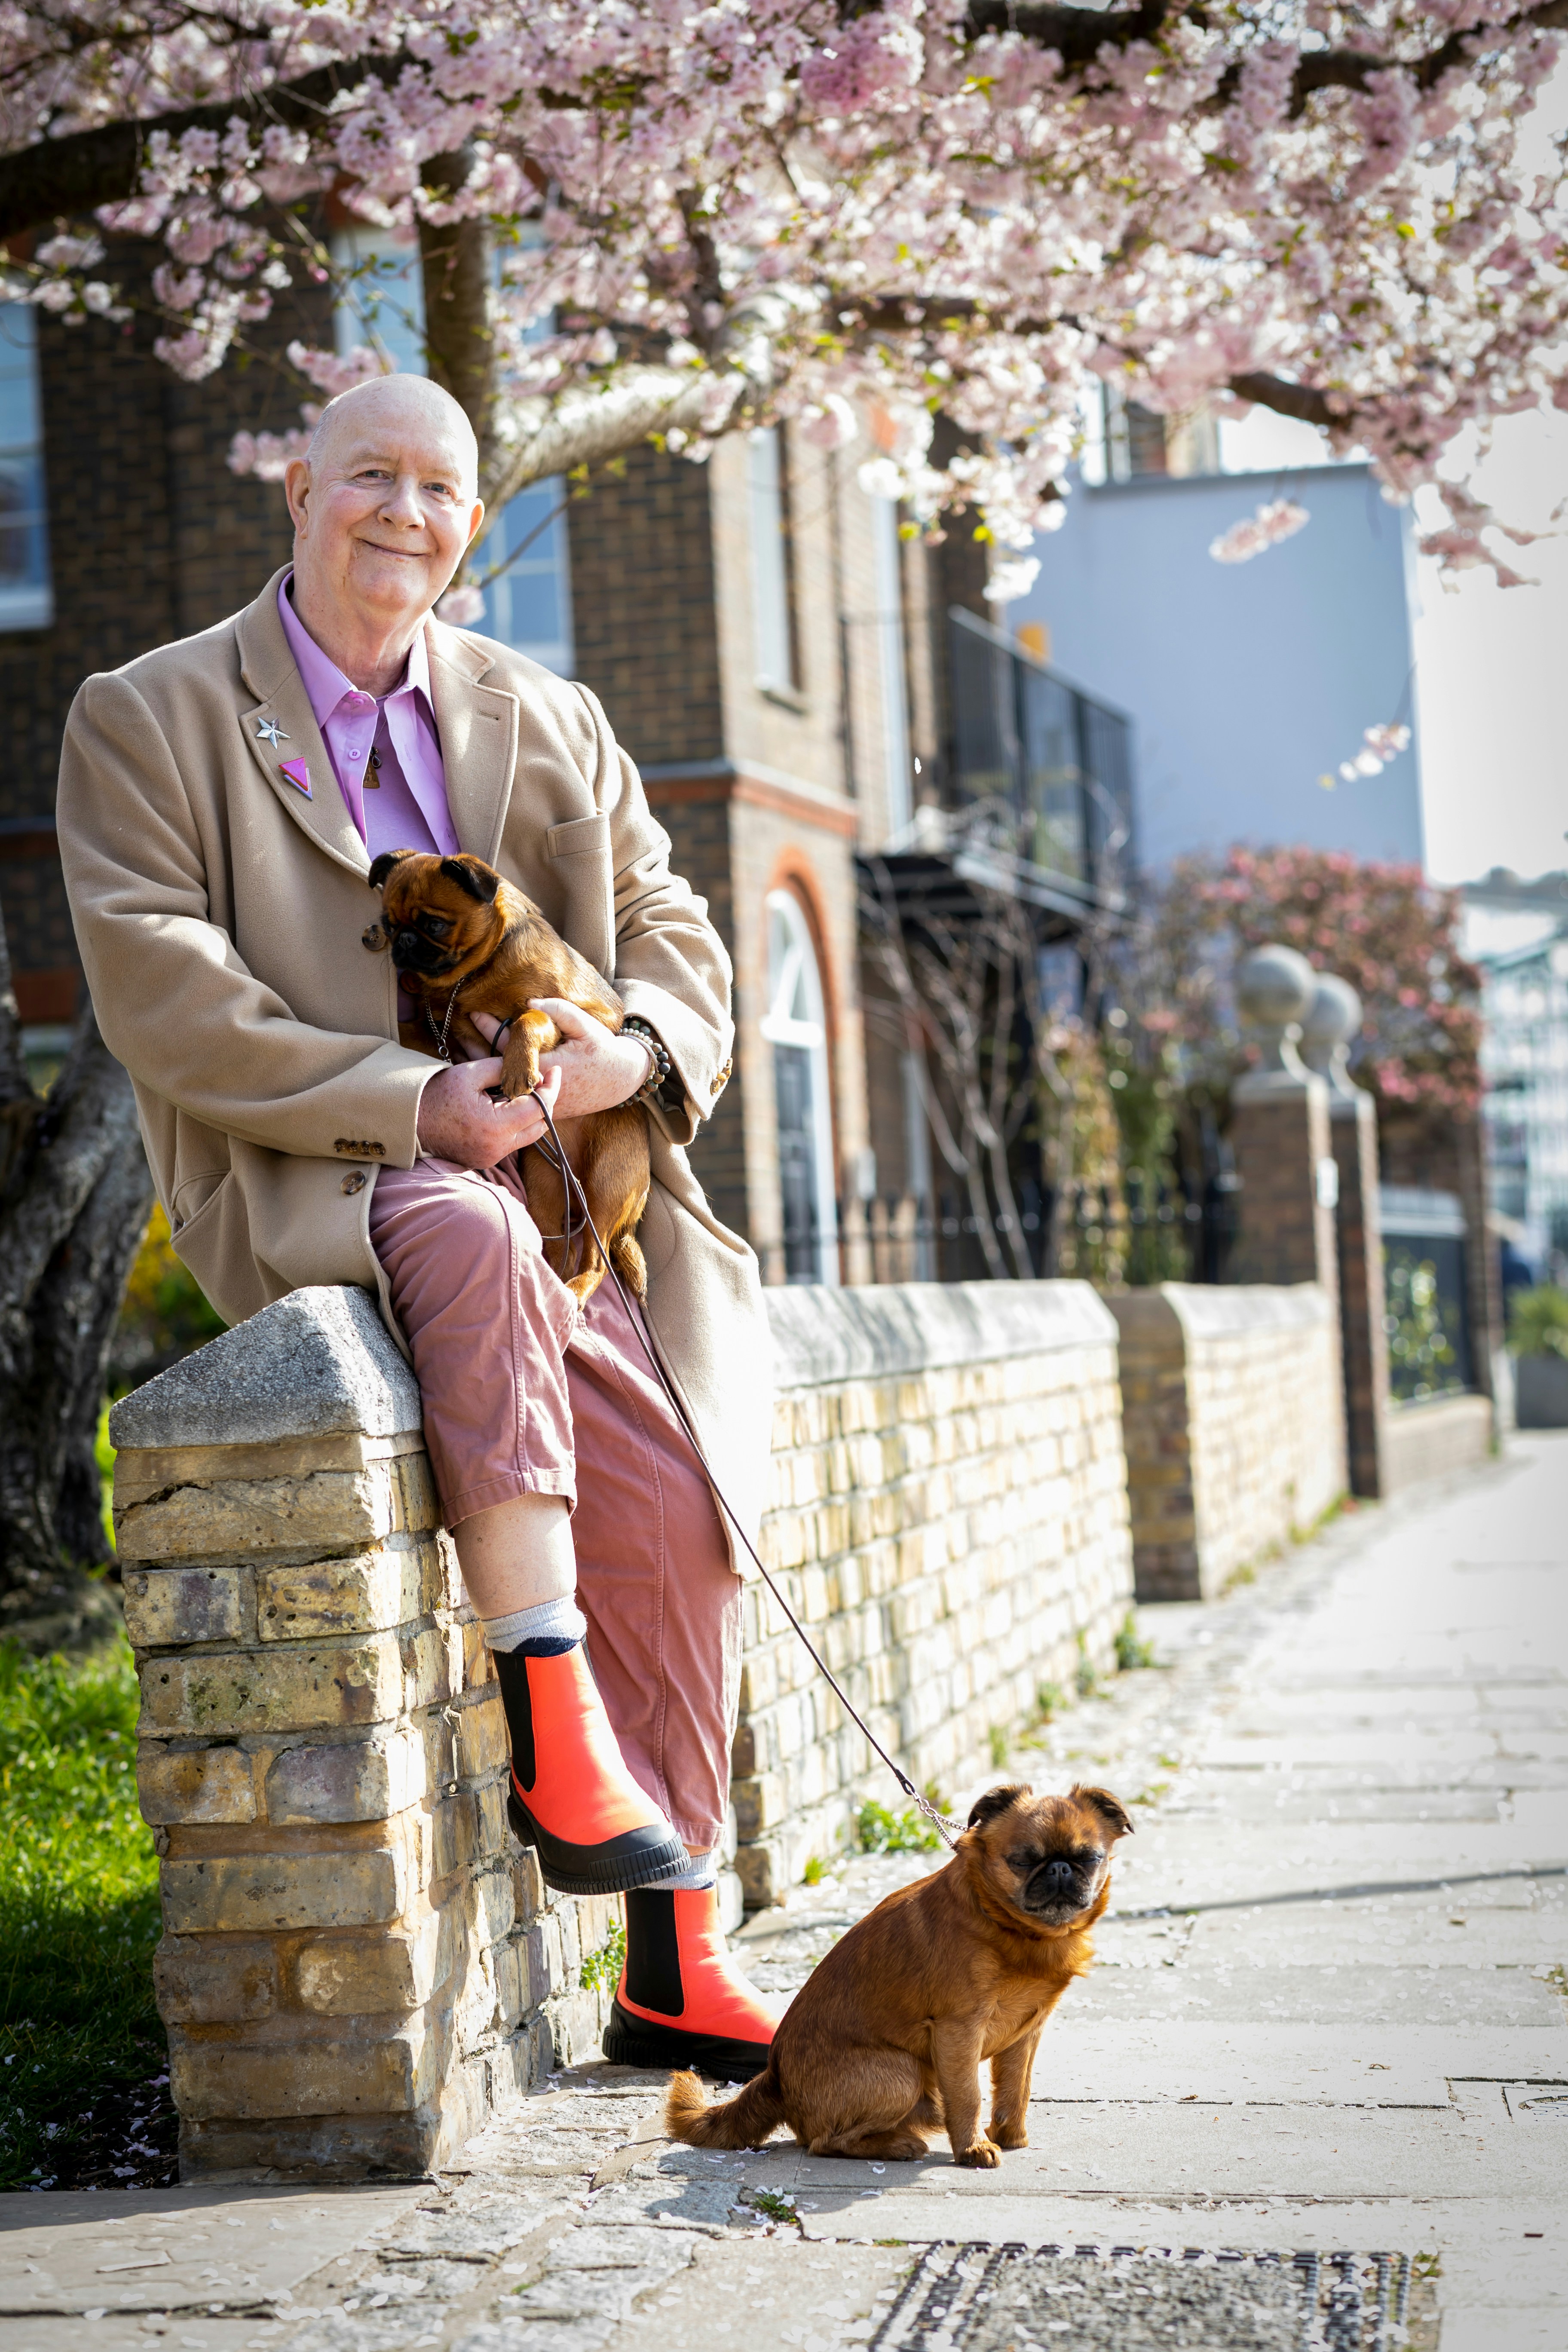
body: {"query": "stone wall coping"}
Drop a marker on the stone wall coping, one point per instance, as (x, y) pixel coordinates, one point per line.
(1458, 1405)
(821, 1335)
(1208, 1310)
(1204, 1310)
(316, 1364)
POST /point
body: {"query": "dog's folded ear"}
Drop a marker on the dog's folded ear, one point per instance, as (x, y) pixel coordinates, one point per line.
(987, 1807)
(1109, 1809)
(382, 866)
(472, 875)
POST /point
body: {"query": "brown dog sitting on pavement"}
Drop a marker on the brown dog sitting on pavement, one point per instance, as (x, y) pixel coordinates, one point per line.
(883, 2043)
(464, 941)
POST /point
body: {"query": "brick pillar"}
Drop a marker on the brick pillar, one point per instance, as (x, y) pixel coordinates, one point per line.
(1332, 1020)
(1279, 1133)
(1362, 1306)
(356, 1959)
(1491, 1370)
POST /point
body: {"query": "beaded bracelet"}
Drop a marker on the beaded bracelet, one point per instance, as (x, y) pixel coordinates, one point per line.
(653, 1084)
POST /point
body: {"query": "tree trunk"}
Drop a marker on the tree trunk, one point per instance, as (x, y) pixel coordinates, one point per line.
(459, 344)
(74, 1194)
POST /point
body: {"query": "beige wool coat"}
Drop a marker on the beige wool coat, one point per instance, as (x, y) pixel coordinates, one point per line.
(220, 916)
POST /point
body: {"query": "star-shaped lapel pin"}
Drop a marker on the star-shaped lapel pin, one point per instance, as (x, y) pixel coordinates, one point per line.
(268, 731)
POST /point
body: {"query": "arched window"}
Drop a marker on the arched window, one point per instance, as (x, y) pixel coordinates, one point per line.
(797, 1031)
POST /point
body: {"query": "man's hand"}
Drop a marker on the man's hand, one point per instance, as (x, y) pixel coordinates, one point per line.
(597, 1068)
(458, 1119)
(591, 1069)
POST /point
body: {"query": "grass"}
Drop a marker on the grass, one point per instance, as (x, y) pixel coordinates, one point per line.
(602, 1969)
(778, 2208)
(83, 2061)
(879, 1830)
(1133, 1654)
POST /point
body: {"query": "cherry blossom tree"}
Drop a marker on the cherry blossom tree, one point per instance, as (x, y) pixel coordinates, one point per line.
(646, 217)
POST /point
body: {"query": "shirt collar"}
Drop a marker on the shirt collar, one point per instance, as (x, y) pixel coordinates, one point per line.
(325, 682)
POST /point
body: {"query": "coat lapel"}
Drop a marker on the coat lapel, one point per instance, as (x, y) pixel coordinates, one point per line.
(268, 669)
(477, 725)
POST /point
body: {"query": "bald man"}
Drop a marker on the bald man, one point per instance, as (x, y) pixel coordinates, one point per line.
(221, 802)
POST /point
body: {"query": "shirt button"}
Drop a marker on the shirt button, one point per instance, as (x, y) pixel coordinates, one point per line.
(354, 1183)
(356, 755)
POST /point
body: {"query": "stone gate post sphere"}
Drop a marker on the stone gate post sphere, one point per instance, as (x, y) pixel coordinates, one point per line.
(1333, 1017)
(1274, 989)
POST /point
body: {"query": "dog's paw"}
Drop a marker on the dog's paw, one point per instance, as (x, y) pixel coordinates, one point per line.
(982, 2156)
(1010, 2136)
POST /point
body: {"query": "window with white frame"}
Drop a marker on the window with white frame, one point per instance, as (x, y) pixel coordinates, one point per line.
(26, 589)
(795, 1028)
(522, 562)
(773, 617)
(890, 626)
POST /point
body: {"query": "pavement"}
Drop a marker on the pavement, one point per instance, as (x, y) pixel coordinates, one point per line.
(1317, 2082)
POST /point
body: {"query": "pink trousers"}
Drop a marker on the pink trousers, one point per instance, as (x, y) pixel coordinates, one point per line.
(524, 1396)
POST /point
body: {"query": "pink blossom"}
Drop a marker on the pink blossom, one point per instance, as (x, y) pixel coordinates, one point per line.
(334, 372)
(879, 208)
(461, 607)
(1281, 519)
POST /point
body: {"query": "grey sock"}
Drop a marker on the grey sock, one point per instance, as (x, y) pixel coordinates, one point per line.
(559, 1623)
(698, 1871)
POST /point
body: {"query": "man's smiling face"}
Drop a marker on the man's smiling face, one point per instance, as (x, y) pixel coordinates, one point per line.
(384, 504)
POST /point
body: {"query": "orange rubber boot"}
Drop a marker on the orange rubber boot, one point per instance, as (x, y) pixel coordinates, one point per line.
(573, 1799)
(682, 2001)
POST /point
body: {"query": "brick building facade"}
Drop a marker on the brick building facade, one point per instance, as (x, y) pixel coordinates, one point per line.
(766, 647)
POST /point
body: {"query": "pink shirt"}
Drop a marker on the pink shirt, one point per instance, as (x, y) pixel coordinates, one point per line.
(407, 808)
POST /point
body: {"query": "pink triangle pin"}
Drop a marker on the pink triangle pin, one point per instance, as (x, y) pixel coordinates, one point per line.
(299, 775)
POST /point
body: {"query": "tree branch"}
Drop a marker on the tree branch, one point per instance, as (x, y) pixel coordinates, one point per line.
(898, 316)
(1078, 35)
(588, 422)
(64, 178)
(1302, 401)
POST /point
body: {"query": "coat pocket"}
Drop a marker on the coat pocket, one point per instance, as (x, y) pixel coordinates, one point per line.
(580, 835)
(580, 852)
(194, 1194)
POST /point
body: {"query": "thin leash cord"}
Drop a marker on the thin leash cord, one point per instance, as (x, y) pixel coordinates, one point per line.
(937, 1820)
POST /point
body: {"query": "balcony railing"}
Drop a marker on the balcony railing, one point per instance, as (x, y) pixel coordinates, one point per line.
(1053, 763)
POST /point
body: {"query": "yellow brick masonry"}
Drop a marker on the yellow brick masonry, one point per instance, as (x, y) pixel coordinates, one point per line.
(1235, 1426)
(357, 1964)
(948, 1536)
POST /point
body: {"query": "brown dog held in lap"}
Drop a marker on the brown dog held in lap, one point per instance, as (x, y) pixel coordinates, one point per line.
(464, 941)
(883, 2043)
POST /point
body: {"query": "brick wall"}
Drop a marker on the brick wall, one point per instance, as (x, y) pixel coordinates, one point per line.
(1233, 1424)
(949, 1518)
(642, 607)
(357, 1962)
(151, 537)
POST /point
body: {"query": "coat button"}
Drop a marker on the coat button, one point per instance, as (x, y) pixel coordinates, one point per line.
(354, 1183)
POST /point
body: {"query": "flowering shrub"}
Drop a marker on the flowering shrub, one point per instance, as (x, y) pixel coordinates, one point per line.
(1383, 928)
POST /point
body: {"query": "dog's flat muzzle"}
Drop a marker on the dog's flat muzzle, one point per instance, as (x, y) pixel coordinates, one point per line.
(1055, 1895)
(411, 953)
